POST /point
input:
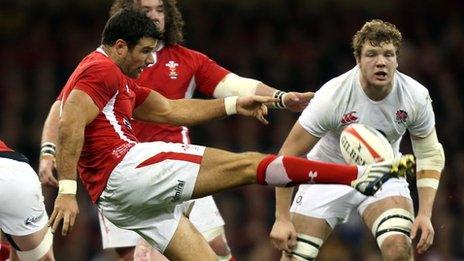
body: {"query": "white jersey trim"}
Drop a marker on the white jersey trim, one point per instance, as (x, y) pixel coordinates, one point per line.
(108, 111)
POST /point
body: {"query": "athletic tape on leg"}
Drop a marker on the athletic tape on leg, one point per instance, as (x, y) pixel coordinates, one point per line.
(391, 222)
(307, 247)
(40, 250)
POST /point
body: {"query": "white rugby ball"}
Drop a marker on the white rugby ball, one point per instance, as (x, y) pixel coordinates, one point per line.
(361, 145)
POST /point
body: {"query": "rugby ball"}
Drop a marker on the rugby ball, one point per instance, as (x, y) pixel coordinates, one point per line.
(361, 145)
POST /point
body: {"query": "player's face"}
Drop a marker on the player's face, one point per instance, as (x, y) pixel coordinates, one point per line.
(139, 57)
(155, 11)
(377, 64)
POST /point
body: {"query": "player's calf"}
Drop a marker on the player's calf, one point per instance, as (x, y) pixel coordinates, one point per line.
(307, 247)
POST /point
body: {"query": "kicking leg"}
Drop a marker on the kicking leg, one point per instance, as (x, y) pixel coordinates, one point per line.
(222, 170)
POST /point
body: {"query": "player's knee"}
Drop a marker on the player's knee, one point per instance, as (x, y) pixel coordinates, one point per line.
(249, 162)
(307, 247)
(42, 252)
(220, 247)
(217, 240)
(391, 230)
(396, 247)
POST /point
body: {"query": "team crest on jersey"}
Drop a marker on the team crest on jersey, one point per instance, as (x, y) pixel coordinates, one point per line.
(172, 66)
(349, 118)
(401, 116)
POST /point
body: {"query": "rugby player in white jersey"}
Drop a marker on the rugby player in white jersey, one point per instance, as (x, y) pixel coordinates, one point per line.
(23, 218)
(373, 93)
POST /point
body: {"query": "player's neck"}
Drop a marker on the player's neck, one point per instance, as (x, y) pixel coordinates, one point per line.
(111, 53)
(375, 92)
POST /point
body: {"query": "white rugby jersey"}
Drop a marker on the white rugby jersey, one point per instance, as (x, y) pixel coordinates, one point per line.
(342, 101)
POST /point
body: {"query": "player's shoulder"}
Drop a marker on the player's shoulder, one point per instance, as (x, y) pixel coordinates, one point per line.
(99, 62)
(409, 87)
(338, 86)
(182, 50)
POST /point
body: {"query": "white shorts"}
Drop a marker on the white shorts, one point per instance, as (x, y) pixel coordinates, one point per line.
(22, 209)
(145, 191)
(335, 203)
(204, 216)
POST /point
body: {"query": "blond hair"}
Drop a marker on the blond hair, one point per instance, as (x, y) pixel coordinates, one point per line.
(377, 33)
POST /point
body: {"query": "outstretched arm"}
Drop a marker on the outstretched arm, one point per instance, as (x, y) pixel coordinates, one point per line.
(283, 234)
(48, 147)
(234, 85)
(157, 108)
(78, 111)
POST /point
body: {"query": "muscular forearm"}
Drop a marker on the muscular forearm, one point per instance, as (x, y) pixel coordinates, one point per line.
(193, 111)
(70, 141)
(264, 90)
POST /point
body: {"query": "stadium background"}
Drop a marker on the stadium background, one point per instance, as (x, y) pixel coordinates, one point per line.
(292, 45)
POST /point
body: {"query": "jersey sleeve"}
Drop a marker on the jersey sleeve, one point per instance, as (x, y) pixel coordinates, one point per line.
(141, 94)
(318, 118)
(100, 82)
(208, 73)
(423, 120)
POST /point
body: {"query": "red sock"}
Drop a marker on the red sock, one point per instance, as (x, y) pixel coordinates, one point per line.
(290, 171)
(232, 259)
(4, 251)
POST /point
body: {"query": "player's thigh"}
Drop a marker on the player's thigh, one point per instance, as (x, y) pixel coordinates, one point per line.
(31, 241)
(374, 210)
(188, 244)
(394, 194)
(222, 170)
(311, 226)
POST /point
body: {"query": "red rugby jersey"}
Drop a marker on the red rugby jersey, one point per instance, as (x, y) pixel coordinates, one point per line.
(109, 136)
(176, 74)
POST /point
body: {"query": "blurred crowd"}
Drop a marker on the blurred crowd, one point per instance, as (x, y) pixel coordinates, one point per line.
(289, 44)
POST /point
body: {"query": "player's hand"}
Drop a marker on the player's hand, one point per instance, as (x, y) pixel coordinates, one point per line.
(65, 209)
(46, 167)
(283, 235)
(297, 101)
(423, 225)
(253, 106)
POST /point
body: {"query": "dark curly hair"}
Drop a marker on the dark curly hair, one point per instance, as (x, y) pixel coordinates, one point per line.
(173, 33)
(377, 33)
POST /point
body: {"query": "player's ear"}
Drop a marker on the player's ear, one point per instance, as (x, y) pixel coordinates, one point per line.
(121, 47)
(357, 58)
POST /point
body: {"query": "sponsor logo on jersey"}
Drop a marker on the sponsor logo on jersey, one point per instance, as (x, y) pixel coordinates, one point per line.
(179, 189)
(401, 116)
(172, 66)
(32, 220)
(312, 175)
(127, 123)
(349, 118)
